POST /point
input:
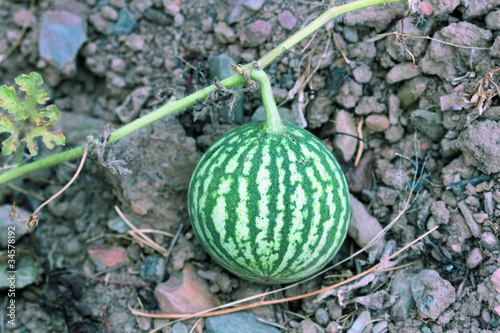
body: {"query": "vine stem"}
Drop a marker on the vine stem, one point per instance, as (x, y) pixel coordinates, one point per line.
(177, 106)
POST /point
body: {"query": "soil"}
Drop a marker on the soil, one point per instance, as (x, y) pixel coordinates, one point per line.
(430, 131)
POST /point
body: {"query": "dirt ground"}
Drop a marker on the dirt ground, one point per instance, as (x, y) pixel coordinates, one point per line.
(430, 133)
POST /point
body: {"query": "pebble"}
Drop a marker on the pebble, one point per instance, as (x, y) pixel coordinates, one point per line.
(345, 144)
(153, 269)
(72, 248)
(360, 178)
(368, 105)
(411, 90)
(18, 224)
(380, 327)
(307, 326)
(118, 65)
(490, 241)
(349, 94)
(109, 13)
(157, 17)
(321, 316)
(237, 322)
(333, 327)
(255, 33)
(27, 272)
(253, 4)
(105, 256)
(432, 293)
(179, 20)
(474, 258)
(61, 36)
(377, 123)
(140, 6)
(179, 328)
(20, 17)
(117, 3)
(350, 34)
(495, 280)
(287, 20)
(334, 309)
(364, 227)
(171, 7)
(429, 123)
(185, 292)
(362, 73)
(336, 79)
(319, 111)
(495, 49)
(224, 33)
(394, 133)
(401, 72)
(362, 322)
(125, 23)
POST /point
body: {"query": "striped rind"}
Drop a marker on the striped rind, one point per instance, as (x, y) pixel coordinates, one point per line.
(271, 208)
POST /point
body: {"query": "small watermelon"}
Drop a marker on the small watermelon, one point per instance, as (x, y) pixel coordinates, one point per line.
(270, 208)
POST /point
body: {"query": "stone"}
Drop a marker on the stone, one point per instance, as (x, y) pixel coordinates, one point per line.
(133, 104)
(345, 144)
(255, 33)
(287, 20)
(440, 7)
(360, 178)
(185, 292)
(321, 316)
(109, 13)
(333, 327)
(253, 4)
(368, 105)
(349, 94)
(307, 326)
(61, 36)
(362, 322)
(432, 293)
(411, 90)
(104, 256)
(72, 247)
(402, 286)
(394, 133)
(377, 123)
(377, 17)
(490, 241)
(237, 322)
(224, 33)
(153, 269)
(171, 7)
(474, 258)
(319, 111)
(479, 8)
(350, 34)
(362, 73)
(493, 20)
(495, 49)
(15, 229)
(179, 328)
(364, 227)
(125, 23)
(335, 80)
(495, 280)
(157, 17)
(401, 72)
(479, 145)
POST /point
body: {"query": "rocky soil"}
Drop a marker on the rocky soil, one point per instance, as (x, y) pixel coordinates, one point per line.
(427, 111)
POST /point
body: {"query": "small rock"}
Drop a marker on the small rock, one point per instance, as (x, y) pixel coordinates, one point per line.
(185, 292)
(133, 104)
(307, 326)
(401, 72)
(377, 123)
(479, 145)
(287, 20)
(360, 178)
(285, 114)
(440, 212)
(495, 49)
(171, 7)
(376, 17)
(20, 17)
(255, 33)
(334, 309)
(224, 33)
(153, 269)
(61, 36)
(411, 90)
(362, 73)
(333, 327)
(362, 323)
(387, 196)
(135, 42)
(349, 93)
(179, 20)
(125, 24)
(321, 316)
(443, 7)
(364, 227)
(381, 327)
(490, 241)
(319, 111)
(454, 102)
(368, 105)
(405, 303)
(253, 4)
(495, 280)
(107, 256)
(109, 13)
(345, 144)
(27, 272)
(479, 8)
(118, 3)
(15, 229)
(157, 17)
(350, 34)
(335, 80)
(179, 328)
(474, 258)
(118, 65)
(236, 323)
(430, 123)
(72, 248)
(394, 133)
(432, 294)
(140, 6)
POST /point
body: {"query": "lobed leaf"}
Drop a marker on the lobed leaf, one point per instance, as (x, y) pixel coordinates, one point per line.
(10, 144)
(49, 138)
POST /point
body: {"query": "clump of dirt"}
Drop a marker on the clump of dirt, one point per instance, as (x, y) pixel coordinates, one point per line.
(420, 93)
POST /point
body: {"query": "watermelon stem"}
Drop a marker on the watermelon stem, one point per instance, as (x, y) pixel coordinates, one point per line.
(273, 123)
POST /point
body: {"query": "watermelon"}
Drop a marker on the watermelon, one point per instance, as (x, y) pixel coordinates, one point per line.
(270, 208)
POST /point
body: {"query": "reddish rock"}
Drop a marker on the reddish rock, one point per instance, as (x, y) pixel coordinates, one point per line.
(107, 256)
(255, 33)
(185, 292)
(287, 20)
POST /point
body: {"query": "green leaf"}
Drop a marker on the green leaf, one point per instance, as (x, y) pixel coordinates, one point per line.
(49, 138)
(12, 142)
(30, 84)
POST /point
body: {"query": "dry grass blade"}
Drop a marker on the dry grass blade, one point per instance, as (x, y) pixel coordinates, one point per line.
(143, 239)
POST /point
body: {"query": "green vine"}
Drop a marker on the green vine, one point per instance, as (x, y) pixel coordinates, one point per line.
(177, 106)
